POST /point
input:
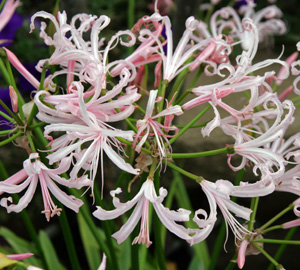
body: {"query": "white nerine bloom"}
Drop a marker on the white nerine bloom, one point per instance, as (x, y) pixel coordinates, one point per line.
(35, 172)
(218, 194)
(87, 60)
(258, 150)
(146, 195)
(175, 61)
(87, 138)
(149, 127)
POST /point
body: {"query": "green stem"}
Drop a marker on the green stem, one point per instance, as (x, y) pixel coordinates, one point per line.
(34, 109)
(130, 143)
(231, 265)
(282, 247)
(21, 101)
(191, 123)
(9, 131)
(10, 139)
(4, 115)
(184, 172)
(194, 126)
(295, 99)
(162, 93)
(2, 4)
(4, 71)
(14, 116)
(196, 78)
(182, 97)
(272, 228)
(278, 241)
(31, 143)
(178, 83)
(269, 257)
(217, 246)
(225, 150)
(266, 225)
(254, 202)
(38, 125)
(159, 247)
(68, 239)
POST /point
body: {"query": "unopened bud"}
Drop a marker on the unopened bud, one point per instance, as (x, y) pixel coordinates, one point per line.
(14, 99)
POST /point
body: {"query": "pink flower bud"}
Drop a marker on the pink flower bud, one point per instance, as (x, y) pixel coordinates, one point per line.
(203, 56)
(157, 72)
(140, 75)
(14, 99)
(285, 93)
(23, 71)
(70, 75)
(242, 254)
(19, 257)
(291, 224)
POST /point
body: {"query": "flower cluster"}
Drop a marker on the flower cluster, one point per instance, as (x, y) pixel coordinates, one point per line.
(92, 108)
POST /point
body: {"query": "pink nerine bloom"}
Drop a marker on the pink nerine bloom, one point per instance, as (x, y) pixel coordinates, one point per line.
(149, 127)
(146, 195)
(87, 137)
(258, 150)
(218, 194)
(35, 171)
(175, 61)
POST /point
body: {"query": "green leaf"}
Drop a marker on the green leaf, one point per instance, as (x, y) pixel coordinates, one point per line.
(125, 254)
(49, 252)
(20, 245)
(5, 261)
(91, 248)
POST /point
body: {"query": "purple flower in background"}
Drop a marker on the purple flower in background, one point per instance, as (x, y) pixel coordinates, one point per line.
(240, 3)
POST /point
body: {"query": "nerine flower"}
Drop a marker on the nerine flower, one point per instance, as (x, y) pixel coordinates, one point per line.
(149, 127)
(258, 149)
(86, 139)
(175, 61)
(146, 195)
(86, 60)
(35, 172)
(240, 79)
(218, 194)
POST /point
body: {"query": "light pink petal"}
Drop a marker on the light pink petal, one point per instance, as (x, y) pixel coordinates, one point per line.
(130, 224)
(24, 200)
(118, 160)
(67, 200)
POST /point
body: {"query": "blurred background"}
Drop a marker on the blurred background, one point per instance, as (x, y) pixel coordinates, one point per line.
(30, 48)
